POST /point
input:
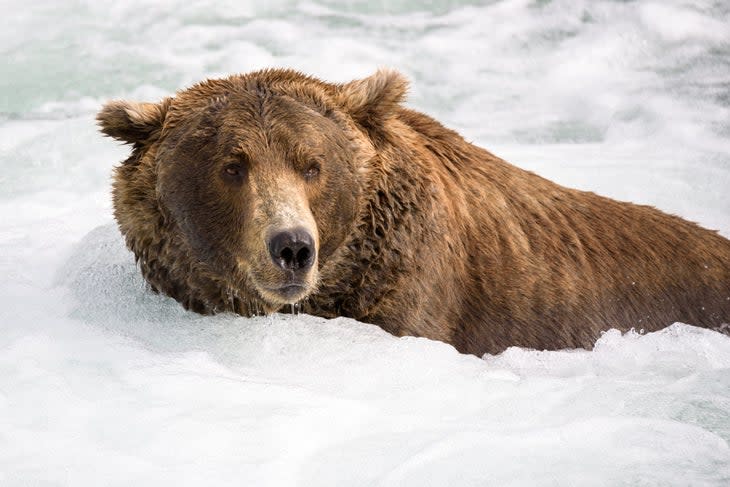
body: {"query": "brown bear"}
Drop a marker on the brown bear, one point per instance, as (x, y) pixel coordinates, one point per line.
(256, 191)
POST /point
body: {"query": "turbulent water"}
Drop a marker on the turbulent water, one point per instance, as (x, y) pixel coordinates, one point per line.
(104, 383)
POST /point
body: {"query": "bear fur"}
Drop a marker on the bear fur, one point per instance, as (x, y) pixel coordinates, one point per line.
(406, 225)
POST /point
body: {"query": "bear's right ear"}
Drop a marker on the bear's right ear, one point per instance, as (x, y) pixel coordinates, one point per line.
(373, 99)
(132, 122)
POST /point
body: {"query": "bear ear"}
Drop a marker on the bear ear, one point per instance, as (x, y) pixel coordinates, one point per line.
(132, 122)
(371, 100)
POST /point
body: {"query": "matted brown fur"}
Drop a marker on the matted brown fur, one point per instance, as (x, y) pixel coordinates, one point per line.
(414, 229)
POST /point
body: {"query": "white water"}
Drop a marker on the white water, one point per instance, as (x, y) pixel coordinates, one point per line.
(104, 383)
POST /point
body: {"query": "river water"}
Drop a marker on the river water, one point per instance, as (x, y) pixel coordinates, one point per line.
(104, 383)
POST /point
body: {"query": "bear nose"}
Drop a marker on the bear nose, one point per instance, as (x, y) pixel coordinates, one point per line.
(292, 250)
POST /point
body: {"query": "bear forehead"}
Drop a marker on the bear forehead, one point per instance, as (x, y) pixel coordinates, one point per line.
(252, 93)
(251, 122)
(252, 109)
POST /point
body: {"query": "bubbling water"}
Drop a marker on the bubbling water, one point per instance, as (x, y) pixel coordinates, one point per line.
(629, 99)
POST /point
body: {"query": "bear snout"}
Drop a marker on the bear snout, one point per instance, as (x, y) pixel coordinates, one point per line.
(292, 250)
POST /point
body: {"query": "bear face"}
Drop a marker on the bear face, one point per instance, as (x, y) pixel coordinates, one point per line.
(251, 183)
(258, 182)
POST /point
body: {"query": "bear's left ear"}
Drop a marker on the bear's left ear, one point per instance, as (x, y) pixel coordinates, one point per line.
(371, 100)
(132, 122)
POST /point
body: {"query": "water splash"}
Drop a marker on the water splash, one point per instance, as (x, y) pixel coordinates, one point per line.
(254, 308)
(230, 294)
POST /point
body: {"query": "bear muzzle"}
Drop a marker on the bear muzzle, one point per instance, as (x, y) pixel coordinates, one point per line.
(291, 273)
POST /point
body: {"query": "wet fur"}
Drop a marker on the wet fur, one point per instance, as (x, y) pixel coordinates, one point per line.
(447, 241)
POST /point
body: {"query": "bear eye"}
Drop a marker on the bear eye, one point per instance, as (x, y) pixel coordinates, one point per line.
(312, 170)
(234, 172)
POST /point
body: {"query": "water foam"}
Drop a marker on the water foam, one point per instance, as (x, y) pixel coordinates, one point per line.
(104, 382)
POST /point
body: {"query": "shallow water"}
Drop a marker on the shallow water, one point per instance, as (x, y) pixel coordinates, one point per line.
(105, 383)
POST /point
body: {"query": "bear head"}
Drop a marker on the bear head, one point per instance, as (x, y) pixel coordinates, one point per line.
(253, 181)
